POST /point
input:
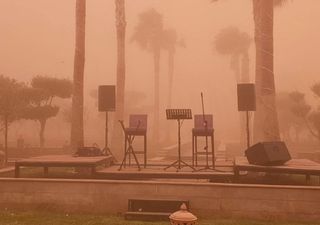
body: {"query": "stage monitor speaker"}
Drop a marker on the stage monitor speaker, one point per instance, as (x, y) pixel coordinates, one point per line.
(246, 97)
(107, 98)
(268, 153)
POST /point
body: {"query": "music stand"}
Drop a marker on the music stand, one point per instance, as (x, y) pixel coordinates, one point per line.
(179, 114)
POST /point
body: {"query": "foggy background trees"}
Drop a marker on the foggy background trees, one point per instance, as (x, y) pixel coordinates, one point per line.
(184, 73)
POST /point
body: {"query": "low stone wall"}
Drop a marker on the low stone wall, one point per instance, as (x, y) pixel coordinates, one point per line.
(97, 196)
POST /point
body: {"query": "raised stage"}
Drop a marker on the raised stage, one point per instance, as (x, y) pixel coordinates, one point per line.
(62, 161)
(223, 171)
(294, 166)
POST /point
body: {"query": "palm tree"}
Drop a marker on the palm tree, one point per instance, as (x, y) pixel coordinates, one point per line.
(266, 125)
(121, 69)
(170, 43)
(231, 41)
(148, 34)
(77, 132)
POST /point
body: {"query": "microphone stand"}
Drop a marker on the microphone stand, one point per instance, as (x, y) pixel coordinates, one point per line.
(205, 123)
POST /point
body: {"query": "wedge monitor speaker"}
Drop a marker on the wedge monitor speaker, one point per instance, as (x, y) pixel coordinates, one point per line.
(268, 153)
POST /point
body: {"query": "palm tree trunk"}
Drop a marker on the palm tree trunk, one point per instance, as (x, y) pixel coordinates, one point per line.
(170, 86)
(41, 134)
(6, 128)
(266, 126)
(170, 73)
(156, 58)
(77, 131)
(121, 70)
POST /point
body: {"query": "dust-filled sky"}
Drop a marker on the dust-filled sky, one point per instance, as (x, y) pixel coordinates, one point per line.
(37, 37)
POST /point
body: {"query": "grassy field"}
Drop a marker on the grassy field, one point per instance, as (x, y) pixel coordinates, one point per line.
(45, 218)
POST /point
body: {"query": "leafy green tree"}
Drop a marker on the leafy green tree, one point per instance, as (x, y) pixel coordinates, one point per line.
(148, 35)
(12, 102)
(41, 94)
(77, 131)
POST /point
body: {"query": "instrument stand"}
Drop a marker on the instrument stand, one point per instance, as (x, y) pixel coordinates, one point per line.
(207, 167)
(179, 164)
(129, 150)
(205, 123)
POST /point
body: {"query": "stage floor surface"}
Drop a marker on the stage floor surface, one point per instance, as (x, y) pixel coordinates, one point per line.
(293, 166)
(222, 170)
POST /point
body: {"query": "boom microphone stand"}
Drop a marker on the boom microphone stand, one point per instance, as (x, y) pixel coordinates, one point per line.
(205, 123)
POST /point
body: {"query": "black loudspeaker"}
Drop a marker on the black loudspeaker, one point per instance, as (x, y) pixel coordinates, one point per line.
(268, 153)
(107, 98)
(246, 97)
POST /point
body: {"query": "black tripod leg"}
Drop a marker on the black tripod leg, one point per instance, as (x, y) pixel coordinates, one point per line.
(186, 164)
(172, 165)
(124, 159)
(212, 150)
(125, 148)
(135, 157)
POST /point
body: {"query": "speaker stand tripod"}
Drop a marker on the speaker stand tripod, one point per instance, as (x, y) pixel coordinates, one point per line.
(248, 129)
(106, 149)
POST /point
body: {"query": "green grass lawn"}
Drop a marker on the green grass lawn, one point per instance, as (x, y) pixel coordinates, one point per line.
(45, 218)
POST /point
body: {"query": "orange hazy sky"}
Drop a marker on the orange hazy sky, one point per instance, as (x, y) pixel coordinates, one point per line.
(37, 37)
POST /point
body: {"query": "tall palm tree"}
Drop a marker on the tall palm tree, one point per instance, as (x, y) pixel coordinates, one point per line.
(148, 34)
(266, 125)
(231, 41)
(77, 131)
(121, 69)
(170, 43)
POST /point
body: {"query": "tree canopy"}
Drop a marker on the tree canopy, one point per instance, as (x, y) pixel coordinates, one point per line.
(41, 94)
(148, 32)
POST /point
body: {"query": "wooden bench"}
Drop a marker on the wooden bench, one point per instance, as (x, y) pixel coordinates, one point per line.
(152, 209)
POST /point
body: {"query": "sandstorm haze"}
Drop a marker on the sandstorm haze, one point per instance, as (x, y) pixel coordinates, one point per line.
(37, 38)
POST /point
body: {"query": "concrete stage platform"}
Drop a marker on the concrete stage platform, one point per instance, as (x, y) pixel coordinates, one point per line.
(62, 161)
(294, 166)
